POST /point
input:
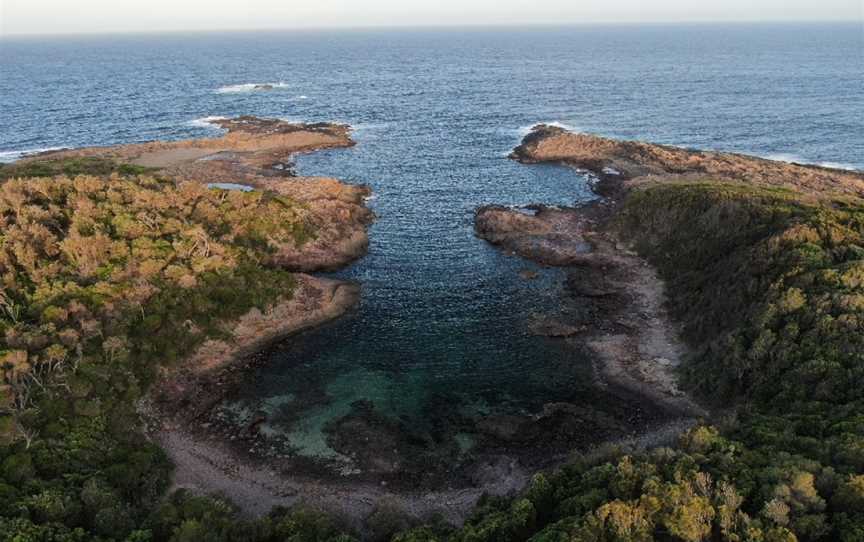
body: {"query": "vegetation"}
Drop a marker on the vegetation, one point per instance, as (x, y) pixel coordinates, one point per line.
(86, 165)
(105, 277)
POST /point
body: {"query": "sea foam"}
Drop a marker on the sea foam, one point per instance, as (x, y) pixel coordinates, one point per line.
(795, 159)
(206, 122)
(525, 130)
(251, 87)
(11, 156)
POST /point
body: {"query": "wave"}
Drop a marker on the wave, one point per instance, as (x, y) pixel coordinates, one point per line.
(206, 122)
(795, 159)
(11, 156)
(252, 87)
(525, 130)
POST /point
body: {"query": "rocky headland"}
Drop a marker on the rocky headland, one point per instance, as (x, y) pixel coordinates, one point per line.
(252, 154)
(614, 302)
(620, 165)
(257, 153)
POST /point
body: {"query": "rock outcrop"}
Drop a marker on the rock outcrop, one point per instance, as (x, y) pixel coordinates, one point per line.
(632, 162)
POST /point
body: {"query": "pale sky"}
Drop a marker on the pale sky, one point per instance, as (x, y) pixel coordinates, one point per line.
(86, 16)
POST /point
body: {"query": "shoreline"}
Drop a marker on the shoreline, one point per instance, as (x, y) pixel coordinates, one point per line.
(213, 467)
(620, 319)
(642, 354)
(209, 463)
(189, 390)
(627, 329)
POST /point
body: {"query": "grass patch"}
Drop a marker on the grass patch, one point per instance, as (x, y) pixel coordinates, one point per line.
(70, 167)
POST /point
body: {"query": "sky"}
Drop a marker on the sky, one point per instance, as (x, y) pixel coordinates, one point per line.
(93, 16)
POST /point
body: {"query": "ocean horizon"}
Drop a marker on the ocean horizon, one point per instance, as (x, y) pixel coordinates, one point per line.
(26, 61)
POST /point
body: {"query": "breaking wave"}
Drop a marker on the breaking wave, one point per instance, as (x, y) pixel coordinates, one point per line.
(206, 122)
(795, 159)
(251, 87)
(11, 156)
(525, 130)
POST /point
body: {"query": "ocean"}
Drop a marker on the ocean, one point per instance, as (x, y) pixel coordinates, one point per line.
(441, 336)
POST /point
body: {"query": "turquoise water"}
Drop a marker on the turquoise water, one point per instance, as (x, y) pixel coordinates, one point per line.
(437, 365)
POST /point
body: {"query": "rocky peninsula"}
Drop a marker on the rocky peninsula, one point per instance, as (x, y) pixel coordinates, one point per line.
(620, 165)
(188, 223)
(737, 279)
(622, 301)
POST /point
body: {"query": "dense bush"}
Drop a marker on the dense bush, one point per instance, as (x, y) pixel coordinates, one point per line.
(103, 278)
(770, 289)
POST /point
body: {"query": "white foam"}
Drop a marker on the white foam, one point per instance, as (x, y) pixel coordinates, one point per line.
(795, 159)
(302, 97)
(11, 156)
(568, 127)
(251, 87)
(206, 122)
(525, 130)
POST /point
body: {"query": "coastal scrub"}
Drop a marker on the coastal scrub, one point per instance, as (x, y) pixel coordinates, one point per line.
(104, 279)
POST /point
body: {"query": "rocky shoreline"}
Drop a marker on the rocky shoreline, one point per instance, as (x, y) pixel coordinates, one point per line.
(210, 459)
(622, 165)
(257, 153)
(612, 303)
(615, 298)
(253, 153)
(190, 390)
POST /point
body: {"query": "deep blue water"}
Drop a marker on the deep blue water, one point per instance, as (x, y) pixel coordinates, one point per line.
(443, 324)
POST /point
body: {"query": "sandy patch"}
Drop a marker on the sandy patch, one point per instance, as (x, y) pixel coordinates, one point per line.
(170, 157)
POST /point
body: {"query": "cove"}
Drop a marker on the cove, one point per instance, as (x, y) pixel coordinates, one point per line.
(436, 371)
